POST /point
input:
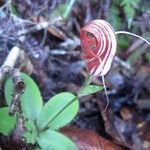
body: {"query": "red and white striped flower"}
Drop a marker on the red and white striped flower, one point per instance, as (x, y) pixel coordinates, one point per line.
(98, 42)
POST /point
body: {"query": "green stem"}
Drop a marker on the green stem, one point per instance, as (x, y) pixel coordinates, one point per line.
(86, 83)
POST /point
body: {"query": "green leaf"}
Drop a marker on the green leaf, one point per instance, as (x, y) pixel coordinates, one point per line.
(37, 148)
(31, 134)
(6, 122)
(68, 9)
(89, 89)
(58, 11)
(31, 100)
(13, 8)
(123, 42)
(114, 15)
(63, 10)
(52, 140)
(148, 56)
(134, 57)
(58, 111)
(30, 125)
(129, 8)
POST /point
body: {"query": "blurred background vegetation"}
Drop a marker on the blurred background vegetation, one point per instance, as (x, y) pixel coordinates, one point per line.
(127, 15)
(54, 59)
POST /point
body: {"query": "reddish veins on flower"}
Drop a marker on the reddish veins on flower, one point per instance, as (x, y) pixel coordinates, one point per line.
(98, 42)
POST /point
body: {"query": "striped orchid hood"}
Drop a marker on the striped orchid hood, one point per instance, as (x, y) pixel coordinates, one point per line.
(98, 43)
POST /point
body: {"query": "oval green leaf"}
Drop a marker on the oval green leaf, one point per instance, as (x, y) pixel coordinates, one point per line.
(58, 111)
(56, 141)
(90, 89)
(7, 123)
(31, 100)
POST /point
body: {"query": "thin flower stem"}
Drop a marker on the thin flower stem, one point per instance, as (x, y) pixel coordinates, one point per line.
(103, 80)
(132, 34)
(86, 83)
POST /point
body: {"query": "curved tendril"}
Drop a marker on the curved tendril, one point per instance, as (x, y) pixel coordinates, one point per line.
(132, 34)
(103, 80)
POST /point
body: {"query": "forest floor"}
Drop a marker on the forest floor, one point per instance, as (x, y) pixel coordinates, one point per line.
(53, 59)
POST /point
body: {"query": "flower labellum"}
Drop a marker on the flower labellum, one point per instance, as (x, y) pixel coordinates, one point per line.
(98, 42)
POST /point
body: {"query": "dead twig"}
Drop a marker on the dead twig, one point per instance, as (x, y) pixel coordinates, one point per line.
(19, 87)
(9, 63)
(122, 63)
(39, 26)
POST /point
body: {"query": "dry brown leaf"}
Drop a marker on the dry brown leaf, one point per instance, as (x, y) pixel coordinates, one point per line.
(88, 140)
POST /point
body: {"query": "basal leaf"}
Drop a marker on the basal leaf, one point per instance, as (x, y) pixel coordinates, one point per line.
(89, 89)
(6, 122)
(31, 100)
(52, 140)
(31, 132)
(58, 111)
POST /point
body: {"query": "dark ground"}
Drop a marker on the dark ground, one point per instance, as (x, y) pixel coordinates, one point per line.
(54, 62)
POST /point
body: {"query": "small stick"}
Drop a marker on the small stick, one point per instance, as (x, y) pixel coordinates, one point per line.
(19, 87)
(40, 26)
(122, 63)
(9, 63)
